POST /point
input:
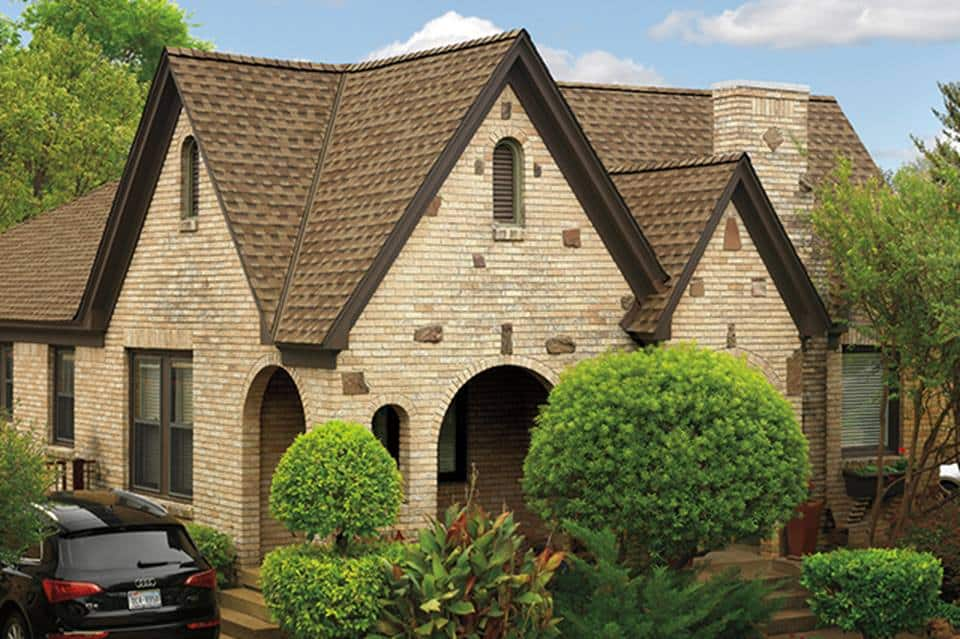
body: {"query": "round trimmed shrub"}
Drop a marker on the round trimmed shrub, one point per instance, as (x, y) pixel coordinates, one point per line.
(314, 591)
(337, 479)
(679, 450)
(877, 592)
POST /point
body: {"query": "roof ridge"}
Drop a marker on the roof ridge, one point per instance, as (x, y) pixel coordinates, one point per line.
(306, 65)
(633, 88)
(663, 165)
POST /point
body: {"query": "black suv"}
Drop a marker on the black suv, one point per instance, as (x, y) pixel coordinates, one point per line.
(116, 566)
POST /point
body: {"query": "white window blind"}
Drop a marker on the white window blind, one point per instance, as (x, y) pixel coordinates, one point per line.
(862, 399)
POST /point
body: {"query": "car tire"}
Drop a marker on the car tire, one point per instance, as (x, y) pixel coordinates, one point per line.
(14, 627)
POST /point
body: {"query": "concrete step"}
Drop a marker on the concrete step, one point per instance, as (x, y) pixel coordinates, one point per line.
(240, 626)
(786, 622)
(249, 602)
(791, 598)
(249, 578)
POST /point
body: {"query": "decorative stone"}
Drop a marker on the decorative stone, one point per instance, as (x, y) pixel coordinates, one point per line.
(432, 334)
(478, 166)
(479, 261)
(759, 287)
(434, 207)
(795, 373)
(507, 233)
(697, 288)
(571, 238)
(537, 170)
(731, 335)
(773, 138)
(354, 384)
(806, 185)
(560, 345)
(506, 339)
(506, 110)
(626, 302)
(731, 235)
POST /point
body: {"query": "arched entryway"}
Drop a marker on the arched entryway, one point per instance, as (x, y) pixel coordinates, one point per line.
(487, 426)
(275, 407)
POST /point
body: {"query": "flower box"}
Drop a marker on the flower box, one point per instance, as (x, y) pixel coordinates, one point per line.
(864, 486)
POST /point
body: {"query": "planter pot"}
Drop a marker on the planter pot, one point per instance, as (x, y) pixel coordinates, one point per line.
(803, 530)
(865, 486)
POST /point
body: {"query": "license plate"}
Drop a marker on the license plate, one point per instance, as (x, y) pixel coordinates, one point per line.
(143, 599)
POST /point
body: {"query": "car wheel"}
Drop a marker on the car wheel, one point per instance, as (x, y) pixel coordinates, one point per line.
(14, 627)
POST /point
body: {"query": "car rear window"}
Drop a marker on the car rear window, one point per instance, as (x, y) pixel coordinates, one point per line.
(126, 549)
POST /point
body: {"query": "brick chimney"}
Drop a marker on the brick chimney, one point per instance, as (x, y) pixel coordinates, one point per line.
(769, 121)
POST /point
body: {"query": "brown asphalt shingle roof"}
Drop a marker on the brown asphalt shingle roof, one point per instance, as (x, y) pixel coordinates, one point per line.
(46, 260)
(672, 202)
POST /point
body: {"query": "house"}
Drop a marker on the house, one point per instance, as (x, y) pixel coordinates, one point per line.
(423, 244)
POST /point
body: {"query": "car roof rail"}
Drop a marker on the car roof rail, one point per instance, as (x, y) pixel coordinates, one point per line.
(139, 502)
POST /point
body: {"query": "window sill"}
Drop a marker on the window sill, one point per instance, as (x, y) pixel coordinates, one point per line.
(507, 233)
(188, 225)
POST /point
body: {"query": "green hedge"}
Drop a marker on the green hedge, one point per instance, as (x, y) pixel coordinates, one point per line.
(877, 592)
(219, 551)
(317, 592)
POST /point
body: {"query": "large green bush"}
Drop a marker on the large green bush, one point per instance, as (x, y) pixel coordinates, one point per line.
(877, 592)
(601, 598)
(219, 551)
(681, 450)
(24, 481)
(337, 479)
(468, 577)
(319, 592)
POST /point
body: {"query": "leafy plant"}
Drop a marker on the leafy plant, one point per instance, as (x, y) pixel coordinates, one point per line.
(679, 450)
(600, 598)
(318, 591)
(337, 480)
(896, 466)
(936, 532)
(468, 577)
(877, 592)
(219, 551)
(949, 612)
(24, 481)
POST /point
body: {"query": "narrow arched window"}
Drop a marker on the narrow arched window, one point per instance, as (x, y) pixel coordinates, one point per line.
(190, 180)
(386, 426)
(508, 182)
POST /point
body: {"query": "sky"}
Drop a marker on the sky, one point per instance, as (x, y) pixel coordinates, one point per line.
(882, 59)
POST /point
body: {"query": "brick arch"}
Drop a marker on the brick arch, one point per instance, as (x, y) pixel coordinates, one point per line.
(760, 363)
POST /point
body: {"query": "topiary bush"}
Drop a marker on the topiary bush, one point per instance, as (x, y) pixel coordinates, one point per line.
(219, 551)
(878, 592)
(337, 479)
(681, 450)
(317, 591)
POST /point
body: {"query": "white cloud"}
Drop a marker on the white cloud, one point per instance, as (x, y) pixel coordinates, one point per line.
(803, 23)
(593, 66)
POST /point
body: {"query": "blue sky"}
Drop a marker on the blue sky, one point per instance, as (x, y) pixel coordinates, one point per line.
(880, 58)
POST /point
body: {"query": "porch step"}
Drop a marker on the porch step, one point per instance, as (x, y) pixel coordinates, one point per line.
(249, 578)
(791, 598)
(787, 622)
(240, 626)
(249, 602)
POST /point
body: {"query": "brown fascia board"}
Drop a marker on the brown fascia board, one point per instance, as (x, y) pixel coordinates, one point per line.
(776, 250)
(67, 333)
(524, 70)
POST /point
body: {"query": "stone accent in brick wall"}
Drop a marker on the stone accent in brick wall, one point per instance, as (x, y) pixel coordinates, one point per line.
(571, 238)
(758, 286)
(432, 334)
(434, 207)
(773, 138)
(537, 169)
(506, 109)
(478, 167)
(731, 235)
(479, 261)
(354, 383)
(560, 345)
(506, 339)
(697, 287)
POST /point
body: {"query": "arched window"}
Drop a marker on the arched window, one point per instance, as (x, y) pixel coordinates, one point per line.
(190, 180)
(386, 426)
(508, 182)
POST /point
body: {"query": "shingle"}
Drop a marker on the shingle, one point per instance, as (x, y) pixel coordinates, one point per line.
(830, 135)
(46, 261)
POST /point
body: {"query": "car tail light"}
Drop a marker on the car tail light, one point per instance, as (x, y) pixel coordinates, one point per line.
(200, 625)
(205, 579)
(79, 635)
(58, 591)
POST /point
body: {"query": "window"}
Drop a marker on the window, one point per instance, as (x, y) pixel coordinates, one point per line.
(63, 379)
(508, 182)
(452, 446)
(161, 455)
(386, 426)
(863, 381)
(6, 380)
(190, 180)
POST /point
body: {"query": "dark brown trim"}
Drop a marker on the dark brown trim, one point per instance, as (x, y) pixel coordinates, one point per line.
(53, 333)
(523, 69)
(776, 250)
(306, 356)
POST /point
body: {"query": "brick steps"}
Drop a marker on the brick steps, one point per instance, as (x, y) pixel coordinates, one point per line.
(243, 612)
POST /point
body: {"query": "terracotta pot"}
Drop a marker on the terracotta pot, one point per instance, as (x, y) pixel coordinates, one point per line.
(803, 530)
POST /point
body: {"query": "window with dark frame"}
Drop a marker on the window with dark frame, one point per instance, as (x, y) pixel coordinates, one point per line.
(863, 400)
(452, 444)
(6, 380)
(63, 383)
(190, 180)
(508, 182)
(386, 427)
(161, 439)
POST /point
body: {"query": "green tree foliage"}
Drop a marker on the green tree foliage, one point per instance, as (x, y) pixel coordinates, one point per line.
(24, 480)
(600, 598)
(894, 255)
(876, 592)
(945, 150)
(66, 124)
(679, 450)
(8, 32)
(131, 32)
(337, 479)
